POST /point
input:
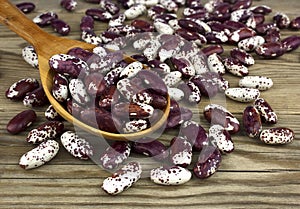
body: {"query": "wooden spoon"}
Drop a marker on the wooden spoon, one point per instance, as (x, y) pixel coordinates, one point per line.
(46, 45)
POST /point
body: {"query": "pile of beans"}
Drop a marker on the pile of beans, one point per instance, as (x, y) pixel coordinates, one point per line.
(174, 56)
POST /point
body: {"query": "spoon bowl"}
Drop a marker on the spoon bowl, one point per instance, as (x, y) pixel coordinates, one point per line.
(47, 45)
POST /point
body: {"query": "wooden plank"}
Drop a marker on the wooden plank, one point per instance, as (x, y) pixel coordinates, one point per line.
(228, 189)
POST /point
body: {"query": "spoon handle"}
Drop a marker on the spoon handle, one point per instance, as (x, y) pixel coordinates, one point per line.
(16, 21)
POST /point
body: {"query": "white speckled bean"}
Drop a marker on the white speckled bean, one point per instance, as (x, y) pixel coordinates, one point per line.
(45, 131)
(221, 138)
(259, 82)
(215, 64)
(135, 11)
(76, 146)
(90, 37)
(172, 78)
(135, 125)
(122, 179)
(174, 175)
(151, 49)
(78, 91)
(175, 93)
(163, 28)
(279, 135)
(38, 156)
(250, 44)
(131, 70)
(242, 94)
(30, 56)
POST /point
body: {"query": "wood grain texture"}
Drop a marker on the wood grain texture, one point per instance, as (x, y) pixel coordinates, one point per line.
(253, 176)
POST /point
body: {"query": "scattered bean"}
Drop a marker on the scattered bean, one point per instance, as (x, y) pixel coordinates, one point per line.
(251, 121)
(19, 89)
(174, 175)
(279, 135)
(26, 7)
(21, 121)
(40, 155)
(45, 131)
(76, 146)
(122, 179)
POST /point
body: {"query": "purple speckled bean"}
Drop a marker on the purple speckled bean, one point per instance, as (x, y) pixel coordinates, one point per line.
(270, 50)
(195, 134)
(266, 112)
(45, 18)
(252, 121)
(241, 4)
(207, 86)
(155, 11)
(87, 23)
(68, 65)
(36, 98)
(281, 20)
(235, 67)
(291, 43)
(99, 14)
(132, 110)
(233, 26)
(26, 7)
(177, 117)
(170, 175)
(241, 55)
(262, 29)
(261, 9)
(100, 118)
(208, 162)
(109, 6)
(217, 114)
(212, 49)
(89, 36)
(295, 24)
(278, 135)
(150, 147)
(273, 35)
(69, 5)
(30, 56)
(21, 121)
(60, 27)
(153, 82)
(19, 89)
(142, 25)
(192, 36)
(215, 37)
(95, 84)
(241, 34)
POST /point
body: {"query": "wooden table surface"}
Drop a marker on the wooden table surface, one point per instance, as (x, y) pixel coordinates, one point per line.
(255, 175)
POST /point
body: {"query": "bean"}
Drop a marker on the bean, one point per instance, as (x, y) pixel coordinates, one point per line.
(26, 7)
(19, 89)
(60, 27)
(40, 155)
(69, 5)
(21, 121)
(45, 18)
